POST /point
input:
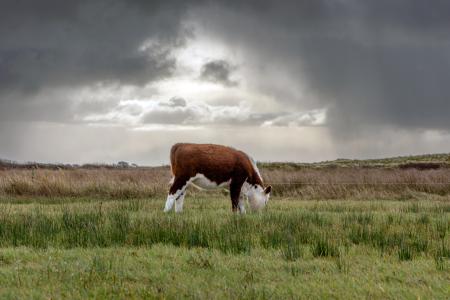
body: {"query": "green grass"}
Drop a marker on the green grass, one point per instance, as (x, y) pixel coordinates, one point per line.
(177, 272)
(80, 247)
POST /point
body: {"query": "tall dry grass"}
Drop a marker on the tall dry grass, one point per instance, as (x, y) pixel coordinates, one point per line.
(305, 183)
(111, 183)
(366, 183)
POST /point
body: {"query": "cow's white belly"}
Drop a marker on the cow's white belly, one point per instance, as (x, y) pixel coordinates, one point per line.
(203, 182)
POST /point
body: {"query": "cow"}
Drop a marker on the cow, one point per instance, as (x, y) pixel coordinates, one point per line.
(211, 166)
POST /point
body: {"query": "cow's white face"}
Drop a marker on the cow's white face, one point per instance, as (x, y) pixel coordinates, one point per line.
(258, 197)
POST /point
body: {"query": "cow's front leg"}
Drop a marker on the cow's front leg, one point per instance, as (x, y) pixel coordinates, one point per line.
(179, 202)
(176, 192)
(169, 202)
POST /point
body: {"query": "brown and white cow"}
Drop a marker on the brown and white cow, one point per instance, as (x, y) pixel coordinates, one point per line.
(210, 166)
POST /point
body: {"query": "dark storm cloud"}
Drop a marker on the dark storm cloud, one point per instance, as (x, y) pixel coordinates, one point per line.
(55, 44)
(369, 63)
(218, 71)
(372, 63)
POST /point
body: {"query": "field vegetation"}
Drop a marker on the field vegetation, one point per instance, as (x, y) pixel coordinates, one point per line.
(305, 183)
(328, 232)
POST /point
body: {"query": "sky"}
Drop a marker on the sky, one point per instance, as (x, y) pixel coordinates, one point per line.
(305, 80)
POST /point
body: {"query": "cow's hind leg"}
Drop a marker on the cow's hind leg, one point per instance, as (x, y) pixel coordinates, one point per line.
(176, 192)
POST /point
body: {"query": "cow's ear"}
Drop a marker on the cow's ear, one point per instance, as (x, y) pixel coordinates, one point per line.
(268, 189)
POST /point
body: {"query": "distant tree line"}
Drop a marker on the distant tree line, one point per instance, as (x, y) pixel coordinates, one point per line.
(9, 164)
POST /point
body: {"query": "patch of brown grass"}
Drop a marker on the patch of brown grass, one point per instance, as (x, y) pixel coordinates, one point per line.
(305, 183)
(111, 183)
(364, 183)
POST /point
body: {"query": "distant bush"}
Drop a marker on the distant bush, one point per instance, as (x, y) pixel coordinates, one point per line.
(421, 166)
(9, 164)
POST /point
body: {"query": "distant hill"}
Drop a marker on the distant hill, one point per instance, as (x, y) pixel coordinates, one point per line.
(425, 161)
(422, 162)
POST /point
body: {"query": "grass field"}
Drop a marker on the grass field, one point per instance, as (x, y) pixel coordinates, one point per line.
(102, 234)
(52, 248)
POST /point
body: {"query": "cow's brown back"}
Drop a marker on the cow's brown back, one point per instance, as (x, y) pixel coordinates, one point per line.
(218, 163)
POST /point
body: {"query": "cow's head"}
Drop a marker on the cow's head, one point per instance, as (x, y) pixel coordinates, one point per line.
(258, 196)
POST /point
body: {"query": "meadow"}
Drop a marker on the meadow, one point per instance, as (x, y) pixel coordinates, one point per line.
(330, 231)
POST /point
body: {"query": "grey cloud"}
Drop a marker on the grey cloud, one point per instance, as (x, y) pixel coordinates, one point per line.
(169, 116)
(50, 44)
(188, 113)
(175, 111)
(298, 119)
(218, 71)
(175, 102)
(371, 63)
